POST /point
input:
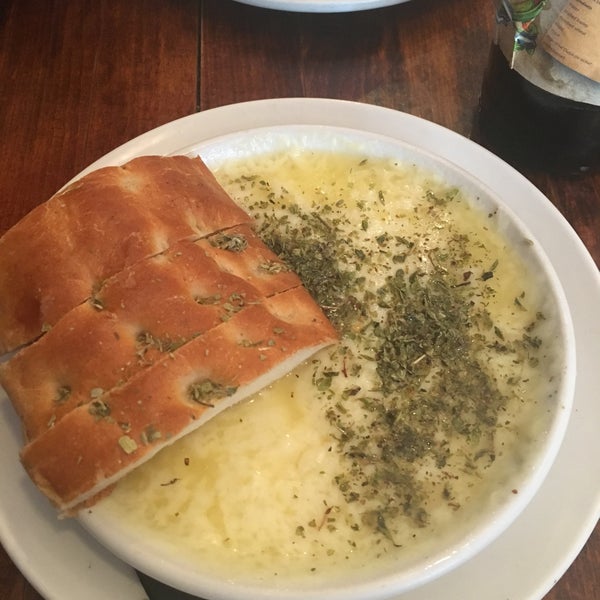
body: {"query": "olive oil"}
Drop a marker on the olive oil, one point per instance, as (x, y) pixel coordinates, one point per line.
(532, 128)
(535, 111)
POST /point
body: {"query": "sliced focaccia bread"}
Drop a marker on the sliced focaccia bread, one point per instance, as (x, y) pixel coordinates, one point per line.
(60, 252)
(139, 315)
(96, 444)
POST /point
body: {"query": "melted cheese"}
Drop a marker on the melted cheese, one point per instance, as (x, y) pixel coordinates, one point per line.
(253, 493)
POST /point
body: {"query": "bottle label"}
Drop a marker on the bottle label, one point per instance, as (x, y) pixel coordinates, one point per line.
(522, 31)
(574, 38)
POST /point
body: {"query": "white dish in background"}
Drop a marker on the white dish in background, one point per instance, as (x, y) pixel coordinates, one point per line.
(27, 524)
(321, 6)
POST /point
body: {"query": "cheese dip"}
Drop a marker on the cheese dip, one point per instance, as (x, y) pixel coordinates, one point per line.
(382, 447)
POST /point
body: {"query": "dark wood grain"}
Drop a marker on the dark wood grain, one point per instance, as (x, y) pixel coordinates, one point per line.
(396, 57)
(79, 78)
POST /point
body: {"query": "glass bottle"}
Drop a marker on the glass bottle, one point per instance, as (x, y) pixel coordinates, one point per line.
(536, 111)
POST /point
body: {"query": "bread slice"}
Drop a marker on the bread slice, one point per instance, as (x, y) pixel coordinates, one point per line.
(144, 312)
(94, 445)
(57, 255)
(149, 305)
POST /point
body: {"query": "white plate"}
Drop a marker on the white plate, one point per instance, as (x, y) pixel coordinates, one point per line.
(153, 559)
(322, 6)
(64, 563)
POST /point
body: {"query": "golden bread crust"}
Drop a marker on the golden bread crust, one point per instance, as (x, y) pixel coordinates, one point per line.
(55, 257)
(137, 316)
(84, 452)
(149, 304)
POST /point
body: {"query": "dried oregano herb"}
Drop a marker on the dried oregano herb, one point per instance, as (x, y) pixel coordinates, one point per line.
(146, 341)
(99, 409)
(425, 337)
(62, 394)
(127, 444)
(206, 391)
(432, 388)
(150, 434)
(272, 266)
(235, 242)
(309, 246)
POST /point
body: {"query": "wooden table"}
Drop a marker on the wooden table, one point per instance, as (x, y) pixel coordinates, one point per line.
(79, 78)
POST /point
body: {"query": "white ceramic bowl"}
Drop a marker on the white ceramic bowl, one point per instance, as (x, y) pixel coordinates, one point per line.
(147, 556)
